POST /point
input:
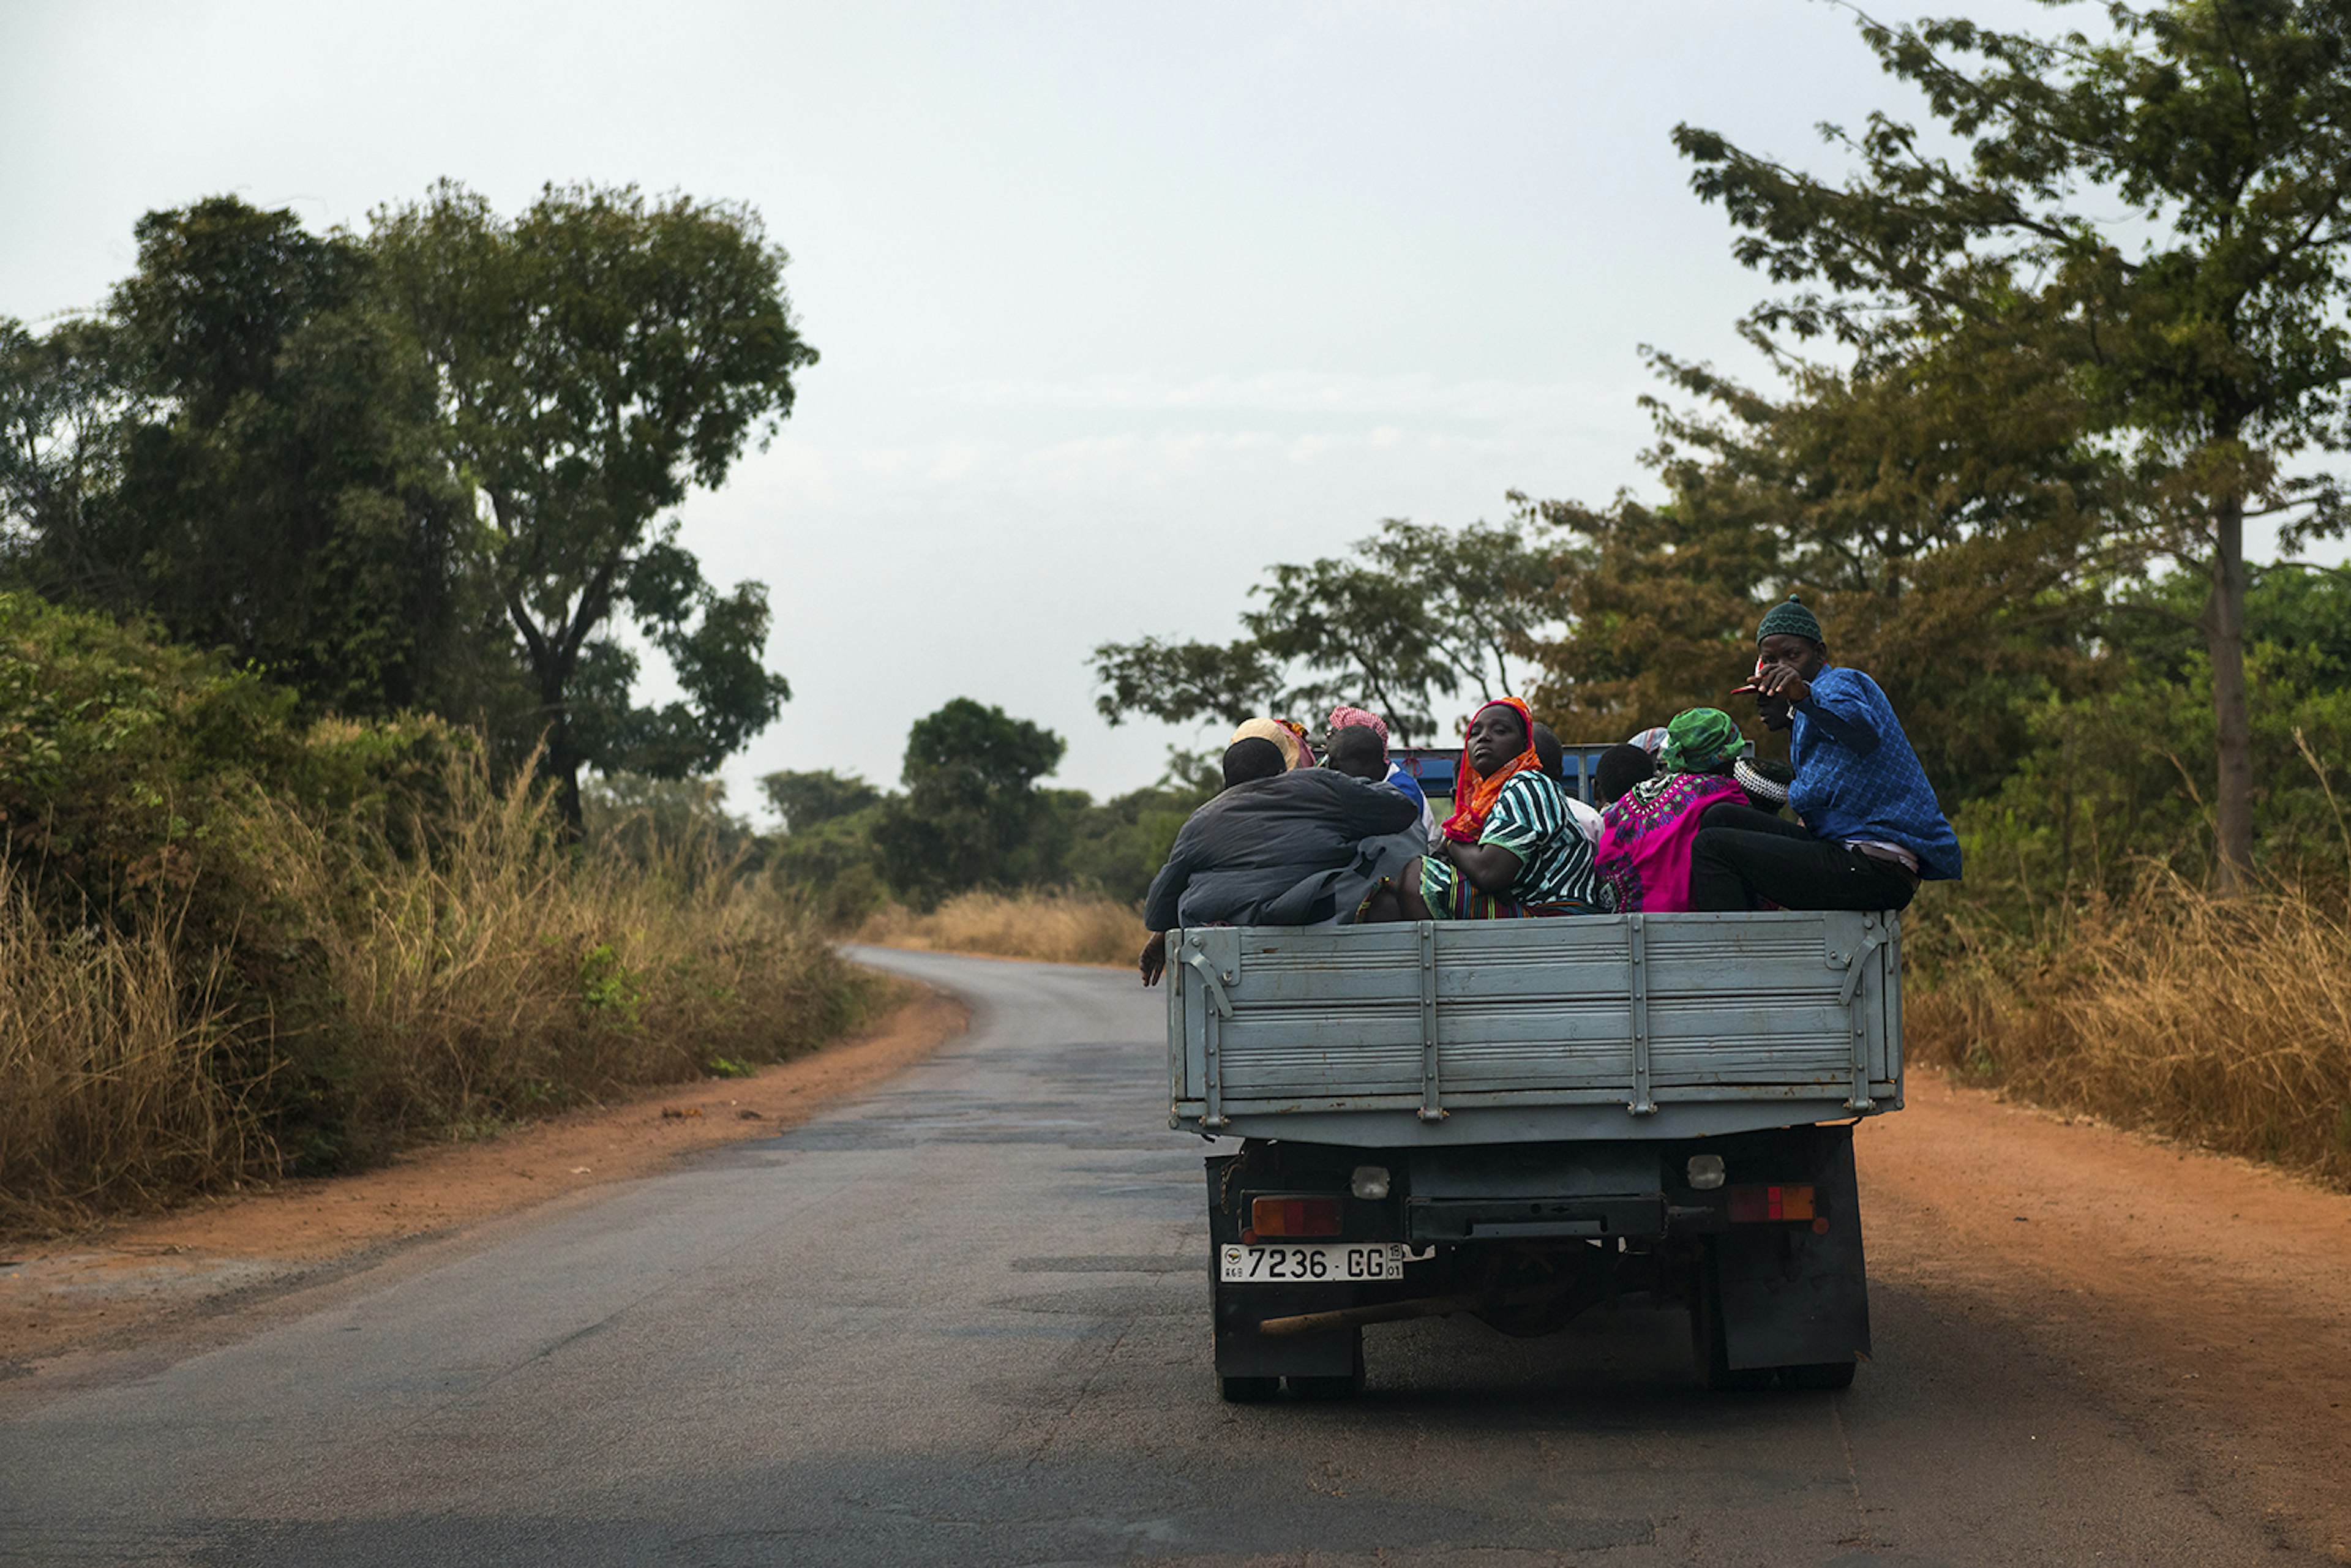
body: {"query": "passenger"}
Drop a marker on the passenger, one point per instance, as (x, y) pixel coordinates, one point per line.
(1396, 774)
(1553, 758)
(1509, 848)
(1619, 769)
(1283, 735)
(1646, 858)
(1279, 846)
(1870, 827)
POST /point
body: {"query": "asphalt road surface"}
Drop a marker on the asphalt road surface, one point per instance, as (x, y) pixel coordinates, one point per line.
(963, 1320)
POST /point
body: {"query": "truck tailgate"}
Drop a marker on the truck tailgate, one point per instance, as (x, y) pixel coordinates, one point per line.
(1635, 1026)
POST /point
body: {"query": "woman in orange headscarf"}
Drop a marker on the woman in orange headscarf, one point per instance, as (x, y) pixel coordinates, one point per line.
(1510, 847)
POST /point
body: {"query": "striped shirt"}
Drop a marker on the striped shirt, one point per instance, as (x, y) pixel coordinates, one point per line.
(1530, 820)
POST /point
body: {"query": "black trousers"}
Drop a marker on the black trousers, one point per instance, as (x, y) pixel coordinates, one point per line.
(1742, 856)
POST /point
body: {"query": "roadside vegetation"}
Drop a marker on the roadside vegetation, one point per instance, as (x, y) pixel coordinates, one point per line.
(235, 945)
(2224, 1022)
(1055, 927)
(326, 565)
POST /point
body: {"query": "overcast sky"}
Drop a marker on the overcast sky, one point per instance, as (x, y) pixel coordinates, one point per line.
(1118, 304)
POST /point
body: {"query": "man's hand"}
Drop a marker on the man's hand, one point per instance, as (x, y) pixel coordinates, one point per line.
(1154, 961)
(1781, 681)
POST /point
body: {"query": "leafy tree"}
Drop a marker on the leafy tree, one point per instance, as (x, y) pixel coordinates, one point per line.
(2287, 605)
(1936, 511)
(2161, 212)
(1180, 682)
(677, 826)
(971, 806)
(244, 449)
(598, 356)
(1414, 611)
(805, 799)
(62, 404)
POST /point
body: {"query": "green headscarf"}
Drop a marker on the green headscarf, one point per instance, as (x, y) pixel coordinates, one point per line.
(1699, 741)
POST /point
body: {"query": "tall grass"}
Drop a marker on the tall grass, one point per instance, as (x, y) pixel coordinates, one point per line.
(1054, 926)
(2226, 1022)
(437, 983)
(113, 1087)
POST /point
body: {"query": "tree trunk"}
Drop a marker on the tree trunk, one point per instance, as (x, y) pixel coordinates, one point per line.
(562, 764)
(2224, 635)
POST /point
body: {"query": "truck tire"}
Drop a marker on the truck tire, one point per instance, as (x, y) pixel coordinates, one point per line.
(1248, 1390)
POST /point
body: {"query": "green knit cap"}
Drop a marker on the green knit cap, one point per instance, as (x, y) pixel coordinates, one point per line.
(1699, 741)
(1792, 618)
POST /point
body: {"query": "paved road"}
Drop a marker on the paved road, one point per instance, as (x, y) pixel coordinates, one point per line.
(964, 1320)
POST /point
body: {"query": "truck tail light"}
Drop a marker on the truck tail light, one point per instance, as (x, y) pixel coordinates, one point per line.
(1300, 1216)
(1760, 1205)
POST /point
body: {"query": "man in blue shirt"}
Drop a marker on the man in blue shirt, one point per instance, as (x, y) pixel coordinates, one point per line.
(1870, 829)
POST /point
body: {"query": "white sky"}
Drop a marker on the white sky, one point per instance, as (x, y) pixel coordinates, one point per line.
(1118, 304)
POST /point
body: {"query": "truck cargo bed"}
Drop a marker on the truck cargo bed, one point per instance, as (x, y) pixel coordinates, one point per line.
(1632, 1025)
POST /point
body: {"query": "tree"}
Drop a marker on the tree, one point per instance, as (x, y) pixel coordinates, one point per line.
(804, 800)
(598, 356)
(1179, 681)
(243, 448)
(1936, 510)
(2162, 213)
(971, 805)
(1414, 611)
(62, 404)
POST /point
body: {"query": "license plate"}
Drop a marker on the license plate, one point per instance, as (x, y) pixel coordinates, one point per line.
(1312, 1260)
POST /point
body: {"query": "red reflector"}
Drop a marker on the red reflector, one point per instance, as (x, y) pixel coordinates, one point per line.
(1762, 1204)
(1294, 1216)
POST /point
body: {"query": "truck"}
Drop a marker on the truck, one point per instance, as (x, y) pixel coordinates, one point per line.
(1524, 1119)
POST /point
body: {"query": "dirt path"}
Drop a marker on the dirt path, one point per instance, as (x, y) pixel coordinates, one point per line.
(2208, 1299)
(132, 1279)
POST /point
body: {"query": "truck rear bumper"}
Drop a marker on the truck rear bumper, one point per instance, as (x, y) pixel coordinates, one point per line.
(1435, 1219)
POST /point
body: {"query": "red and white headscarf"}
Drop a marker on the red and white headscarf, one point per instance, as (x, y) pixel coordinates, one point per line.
(1347, 717)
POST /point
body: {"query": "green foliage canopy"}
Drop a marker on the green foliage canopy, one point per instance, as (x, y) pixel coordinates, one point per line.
(599, 355)
(1413, 612)
(2161, 214)
(971, 811)
(246, 449)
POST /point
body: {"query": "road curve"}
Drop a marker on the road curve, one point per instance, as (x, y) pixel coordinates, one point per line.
(963, 1320)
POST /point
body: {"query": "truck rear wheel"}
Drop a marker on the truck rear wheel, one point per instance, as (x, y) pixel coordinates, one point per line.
(1248, 1390)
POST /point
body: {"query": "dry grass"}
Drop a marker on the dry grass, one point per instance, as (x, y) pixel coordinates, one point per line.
(111, 1085)
(490, 972)
(1053, 926)
(2224, 1021)
(429, 990)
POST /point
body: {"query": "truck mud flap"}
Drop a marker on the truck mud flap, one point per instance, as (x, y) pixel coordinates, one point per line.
(1789, 1296)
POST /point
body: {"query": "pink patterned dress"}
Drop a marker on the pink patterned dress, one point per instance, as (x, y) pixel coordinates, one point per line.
(1645, 850)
